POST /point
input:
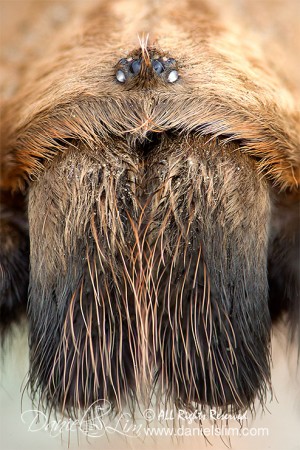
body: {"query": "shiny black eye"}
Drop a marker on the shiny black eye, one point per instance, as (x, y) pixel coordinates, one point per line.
(121, 77)
(173, 76)
(135, 66)
(171, 61)
(157, 66)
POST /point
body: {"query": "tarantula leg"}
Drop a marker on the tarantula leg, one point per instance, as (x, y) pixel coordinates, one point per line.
(14, 257)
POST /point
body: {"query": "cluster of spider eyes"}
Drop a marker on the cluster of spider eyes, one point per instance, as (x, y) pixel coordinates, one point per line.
(132, 67)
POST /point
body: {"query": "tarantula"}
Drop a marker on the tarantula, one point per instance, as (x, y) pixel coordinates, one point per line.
(150, 210)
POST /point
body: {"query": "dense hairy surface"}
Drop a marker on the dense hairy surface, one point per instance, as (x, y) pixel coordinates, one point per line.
(163, 218)
(157, 283)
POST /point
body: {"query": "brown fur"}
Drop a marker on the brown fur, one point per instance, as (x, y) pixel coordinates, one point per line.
(236, 97)
(153, 209)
